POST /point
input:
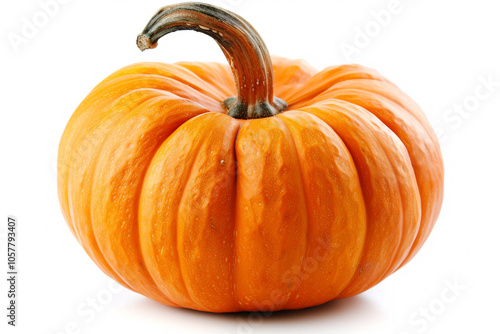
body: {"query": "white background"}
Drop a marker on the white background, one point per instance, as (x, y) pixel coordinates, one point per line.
(439, 52)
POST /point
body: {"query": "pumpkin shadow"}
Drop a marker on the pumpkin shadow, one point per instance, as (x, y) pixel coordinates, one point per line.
(342, 312)
(340, 308)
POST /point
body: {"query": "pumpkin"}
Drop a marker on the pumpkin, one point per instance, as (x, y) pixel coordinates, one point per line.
(259, 186)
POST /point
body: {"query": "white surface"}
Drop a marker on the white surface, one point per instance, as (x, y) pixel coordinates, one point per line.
(436, 51)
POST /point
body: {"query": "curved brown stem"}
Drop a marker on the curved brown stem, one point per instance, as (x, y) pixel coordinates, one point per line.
(244, 49)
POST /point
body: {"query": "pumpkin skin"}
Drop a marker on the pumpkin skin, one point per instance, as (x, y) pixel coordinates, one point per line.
(178, 201)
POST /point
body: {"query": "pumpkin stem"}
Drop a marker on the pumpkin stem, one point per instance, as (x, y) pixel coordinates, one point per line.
(244, 49)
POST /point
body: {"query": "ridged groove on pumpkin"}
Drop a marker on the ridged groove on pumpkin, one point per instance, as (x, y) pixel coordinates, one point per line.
(431, 153)
(163, 232)
(423, 151)
(271, 221)
(311, 94)
(366, 137)
(119, 173)
(292, 296)
(80, 177)
(325, 80)
(205, 217)
(185, 75)
(336, 208)
(100, 99)
(160, 243)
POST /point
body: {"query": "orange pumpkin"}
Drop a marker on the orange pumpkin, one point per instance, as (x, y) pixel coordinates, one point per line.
(259, 186)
